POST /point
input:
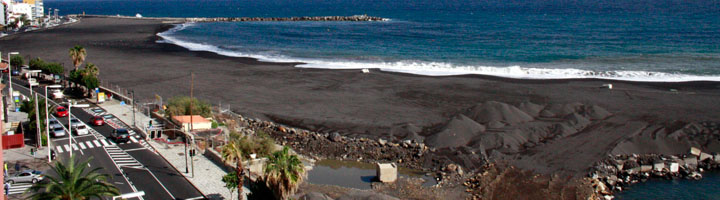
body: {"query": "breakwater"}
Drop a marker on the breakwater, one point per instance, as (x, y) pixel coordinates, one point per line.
(619, 171)
(248, 19)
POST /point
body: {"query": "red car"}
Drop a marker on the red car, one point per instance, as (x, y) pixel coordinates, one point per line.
(61, 111)
(97, 121)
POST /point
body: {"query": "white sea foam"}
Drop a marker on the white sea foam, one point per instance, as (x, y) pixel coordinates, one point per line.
(444, 69)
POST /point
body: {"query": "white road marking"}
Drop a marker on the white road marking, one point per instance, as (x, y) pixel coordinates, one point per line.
(105, 143)
(133, 139)
(97, 143)
(67, 148)
(89, 144)
(74, 146)
(82, 146)
(59, 149)
(141, 148)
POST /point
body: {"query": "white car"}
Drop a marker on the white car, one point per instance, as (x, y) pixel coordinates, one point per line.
(57, 94)
(80, 130)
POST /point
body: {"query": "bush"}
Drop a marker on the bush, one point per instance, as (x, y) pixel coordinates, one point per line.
(214, 124)
(262, 146)
(46, 67)
(181, 106)
(17, 60)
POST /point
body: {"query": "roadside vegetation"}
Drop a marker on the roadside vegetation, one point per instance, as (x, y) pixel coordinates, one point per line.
(47, 67)
(29, 108)
(181, 105)
(73, 180)
(86, 77)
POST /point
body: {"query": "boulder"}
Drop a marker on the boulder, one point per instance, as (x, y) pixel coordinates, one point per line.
(335, 137)
(695, 151)
(658, 166)
(691, 162)
(705, 156)
(646, 168)
(674, 167)
(716, 157)
(497, 111)
(458, 132)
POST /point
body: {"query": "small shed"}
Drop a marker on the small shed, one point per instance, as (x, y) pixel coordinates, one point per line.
(674, 167)
(198, 122)
(387, 172)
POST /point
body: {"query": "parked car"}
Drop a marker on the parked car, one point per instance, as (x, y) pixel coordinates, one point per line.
(54, 123)
(80, 130)
(97, 121)
(27, 176)
(58, 132)
(120, 135)
(61, 111)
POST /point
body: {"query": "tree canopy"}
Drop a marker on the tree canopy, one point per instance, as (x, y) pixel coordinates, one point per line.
(180, 105)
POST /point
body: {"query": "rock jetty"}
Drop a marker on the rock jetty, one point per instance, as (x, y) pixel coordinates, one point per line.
(616, 172)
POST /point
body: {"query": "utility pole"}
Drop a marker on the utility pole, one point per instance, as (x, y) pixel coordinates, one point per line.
(37, 123)
(192, 101)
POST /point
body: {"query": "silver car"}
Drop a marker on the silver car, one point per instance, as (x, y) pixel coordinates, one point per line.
(26, 176)
(75, 122)
(80, 129)
(54, 123)
(58, 132)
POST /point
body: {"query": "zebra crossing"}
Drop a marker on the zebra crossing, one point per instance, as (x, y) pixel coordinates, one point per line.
(115, 123)
(104, 142)
(18, 188)
(122, 159)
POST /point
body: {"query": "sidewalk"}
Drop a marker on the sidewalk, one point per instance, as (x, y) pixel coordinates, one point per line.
(208, 176)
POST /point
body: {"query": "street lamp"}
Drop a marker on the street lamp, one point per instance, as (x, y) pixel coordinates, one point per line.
(30, 83)
(132, 103)
(187, 154)
(47, 118)
(70, 105)
(10, 70)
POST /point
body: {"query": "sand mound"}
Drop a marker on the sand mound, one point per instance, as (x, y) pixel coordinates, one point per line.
(497, 111)
(458, 132)
(495, 124)
(561, 110)
(576, 121)
(407, 132)
(596, 112)
(531, 108)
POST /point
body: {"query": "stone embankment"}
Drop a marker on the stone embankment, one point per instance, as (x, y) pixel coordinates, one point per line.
(619, 171)
(251, 19)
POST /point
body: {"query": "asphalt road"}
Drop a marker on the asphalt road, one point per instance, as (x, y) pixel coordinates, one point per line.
(146, 170)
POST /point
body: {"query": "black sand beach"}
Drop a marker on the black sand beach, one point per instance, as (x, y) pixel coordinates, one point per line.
(371, 105)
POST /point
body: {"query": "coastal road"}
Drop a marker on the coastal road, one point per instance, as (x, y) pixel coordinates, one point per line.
(133, 166)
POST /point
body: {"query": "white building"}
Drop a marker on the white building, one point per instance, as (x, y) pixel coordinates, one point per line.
(19, 9)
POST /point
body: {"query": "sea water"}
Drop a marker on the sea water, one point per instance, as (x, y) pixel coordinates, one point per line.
(644, 40)
(706, 188)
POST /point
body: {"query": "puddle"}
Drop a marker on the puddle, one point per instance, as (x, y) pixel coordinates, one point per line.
(355, 174)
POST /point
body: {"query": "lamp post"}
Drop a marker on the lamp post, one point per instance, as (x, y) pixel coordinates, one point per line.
(132, 103)
(47, 118)
(70, 105)
(30, 83)
(10, 70)
(187, 153)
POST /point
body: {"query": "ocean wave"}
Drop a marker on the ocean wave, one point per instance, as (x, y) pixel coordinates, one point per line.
(441, 68)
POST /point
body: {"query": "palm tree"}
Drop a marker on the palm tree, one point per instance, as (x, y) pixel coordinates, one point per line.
(283, 173)
(73, 182)
(77, 54)
(232, 152)
(91, 69)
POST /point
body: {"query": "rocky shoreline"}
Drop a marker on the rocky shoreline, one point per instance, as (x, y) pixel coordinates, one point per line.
(613, 174)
